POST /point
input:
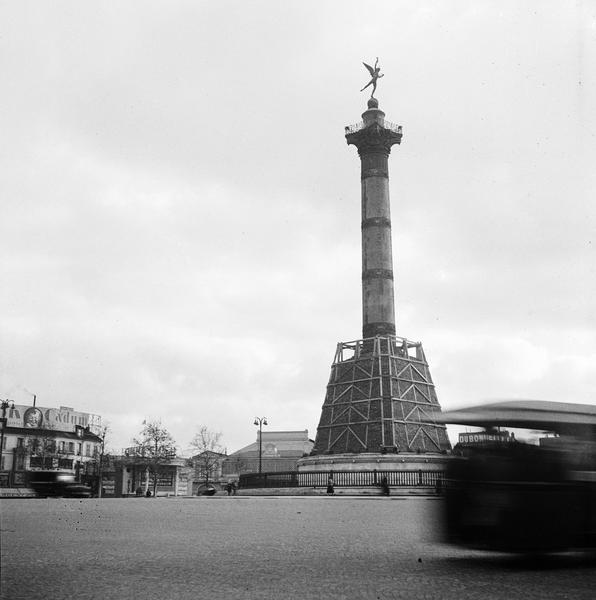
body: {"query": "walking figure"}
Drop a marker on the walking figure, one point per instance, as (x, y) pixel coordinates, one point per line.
(375, 73)
(385, 486)
(330, 488)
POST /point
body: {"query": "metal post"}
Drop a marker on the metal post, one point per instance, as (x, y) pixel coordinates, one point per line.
(5, 404)
(100, 475)
(260, 421)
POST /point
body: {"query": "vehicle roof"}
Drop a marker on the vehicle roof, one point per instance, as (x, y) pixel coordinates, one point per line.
(560, 417)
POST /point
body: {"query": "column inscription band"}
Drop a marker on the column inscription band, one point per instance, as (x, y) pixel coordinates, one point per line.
(377, 274)
(376, 222)
(374, 172)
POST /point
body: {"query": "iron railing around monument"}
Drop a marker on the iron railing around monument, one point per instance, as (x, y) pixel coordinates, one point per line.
(359, 126)
(287, 479)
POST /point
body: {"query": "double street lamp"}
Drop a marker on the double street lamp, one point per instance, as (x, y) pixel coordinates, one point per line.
(260, 421)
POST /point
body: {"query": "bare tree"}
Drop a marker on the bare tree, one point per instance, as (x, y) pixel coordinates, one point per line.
(209, 453)
(154, 447)
(42, 447)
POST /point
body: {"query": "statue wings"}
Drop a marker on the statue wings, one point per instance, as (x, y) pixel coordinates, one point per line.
(370, 69)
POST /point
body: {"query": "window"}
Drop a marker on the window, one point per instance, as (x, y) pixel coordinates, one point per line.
(79, 449)
(87, 449)
(20, 442)
(165, 480)
(71, 447)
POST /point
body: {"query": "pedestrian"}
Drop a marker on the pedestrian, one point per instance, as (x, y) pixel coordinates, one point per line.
(139, 491)
(229, 488)
(330, 488)
(385, 486)
(234, 487)
(148, 494)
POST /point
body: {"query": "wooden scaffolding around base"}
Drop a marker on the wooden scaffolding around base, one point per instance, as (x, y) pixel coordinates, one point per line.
(380, 398)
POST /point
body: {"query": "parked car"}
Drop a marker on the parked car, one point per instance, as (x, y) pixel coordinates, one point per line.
(57, 484)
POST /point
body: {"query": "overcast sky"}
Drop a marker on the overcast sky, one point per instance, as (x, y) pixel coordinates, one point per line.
(180, 223)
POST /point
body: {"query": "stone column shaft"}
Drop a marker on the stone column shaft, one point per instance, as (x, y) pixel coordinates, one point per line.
(378, 306)
(374, 139)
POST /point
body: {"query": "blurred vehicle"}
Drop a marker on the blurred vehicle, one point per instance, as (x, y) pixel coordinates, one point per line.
(524, 497)
(206, 490)
(57, 484)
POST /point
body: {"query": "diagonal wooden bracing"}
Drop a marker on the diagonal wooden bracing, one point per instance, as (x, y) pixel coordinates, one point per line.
(380, 397)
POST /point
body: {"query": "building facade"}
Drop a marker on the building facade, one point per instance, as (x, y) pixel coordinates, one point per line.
(132, 476)
(275, 451)
(35, 438)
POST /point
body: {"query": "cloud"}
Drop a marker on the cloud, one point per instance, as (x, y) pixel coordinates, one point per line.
(181, 237)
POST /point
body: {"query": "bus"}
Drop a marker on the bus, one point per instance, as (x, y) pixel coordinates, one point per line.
(536, 493)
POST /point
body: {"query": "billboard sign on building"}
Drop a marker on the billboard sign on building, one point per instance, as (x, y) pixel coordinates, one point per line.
(485, 437)
(58, 419)
(33, 417)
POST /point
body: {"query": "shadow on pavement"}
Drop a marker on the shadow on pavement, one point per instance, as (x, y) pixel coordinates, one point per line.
(525, 562)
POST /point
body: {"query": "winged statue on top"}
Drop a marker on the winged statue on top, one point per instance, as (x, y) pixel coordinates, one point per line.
(375, 73)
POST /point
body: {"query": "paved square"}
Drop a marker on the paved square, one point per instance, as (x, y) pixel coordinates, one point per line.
(268, 547)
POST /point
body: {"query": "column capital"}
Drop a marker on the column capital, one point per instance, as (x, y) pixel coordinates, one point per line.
(374, 138)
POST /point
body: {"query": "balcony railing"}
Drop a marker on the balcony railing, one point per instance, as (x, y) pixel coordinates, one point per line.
(386, 124)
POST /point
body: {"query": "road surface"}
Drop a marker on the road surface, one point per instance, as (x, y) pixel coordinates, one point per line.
(267, 547)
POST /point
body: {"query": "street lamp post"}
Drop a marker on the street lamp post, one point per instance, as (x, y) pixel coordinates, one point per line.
(4, 405)
(260, 421)
(100, 470)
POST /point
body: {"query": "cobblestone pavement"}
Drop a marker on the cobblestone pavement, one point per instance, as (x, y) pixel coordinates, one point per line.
(267, 547)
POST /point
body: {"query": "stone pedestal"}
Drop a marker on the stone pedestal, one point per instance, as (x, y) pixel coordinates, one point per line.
(373, 461)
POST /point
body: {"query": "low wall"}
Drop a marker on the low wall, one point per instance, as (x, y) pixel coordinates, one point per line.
(374, 461)
(344, 491)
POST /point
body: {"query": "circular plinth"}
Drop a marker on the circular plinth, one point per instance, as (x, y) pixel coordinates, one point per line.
(373, 103)
(373, 461)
